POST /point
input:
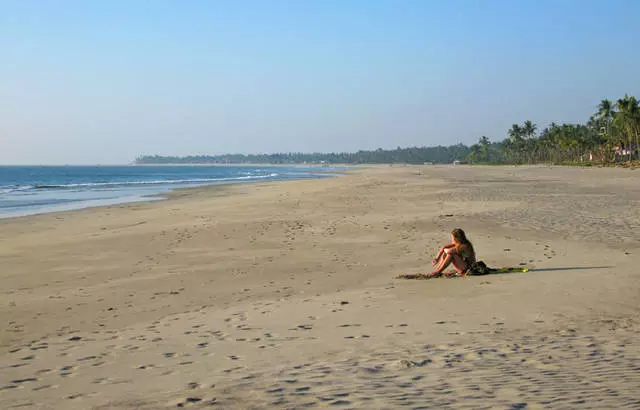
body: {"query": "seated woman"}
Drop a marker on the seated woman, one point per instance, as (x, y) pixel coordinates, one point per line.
(459, 252)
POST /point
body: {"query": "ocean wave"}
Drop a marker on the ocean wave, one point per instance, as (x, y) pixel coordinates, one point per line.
(15, 188)
(97, 185)
(19, 204)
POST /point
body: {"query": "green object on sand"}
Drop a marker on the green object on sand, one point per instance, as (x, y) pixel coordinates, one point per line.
(507, 270)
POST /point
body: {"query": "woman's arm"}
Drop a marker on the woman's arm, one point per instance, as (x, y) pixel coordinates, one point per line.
(444, 248)
(441, 252)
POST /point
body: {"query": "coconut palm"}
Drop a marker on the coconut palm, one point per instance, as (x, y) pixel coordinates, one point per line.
(628, 121)
(484, 144)
(606, 112)
(516, 140)
(605, 115)
(529, 129)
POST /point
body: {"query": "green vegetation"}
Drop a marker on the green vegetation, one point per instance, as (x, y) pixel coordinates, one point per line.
(611, 135)
(412, 155)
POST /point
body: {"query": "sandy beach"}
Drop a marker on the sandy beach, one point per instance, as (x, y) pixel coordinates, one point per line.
(283, 295)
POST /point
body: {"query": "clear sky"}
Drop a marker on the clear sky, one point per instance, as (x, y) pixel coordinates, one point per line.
(104, 81)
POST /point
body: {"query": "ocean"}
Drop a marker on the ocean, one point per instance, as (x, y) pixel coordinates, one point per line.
(28, 190)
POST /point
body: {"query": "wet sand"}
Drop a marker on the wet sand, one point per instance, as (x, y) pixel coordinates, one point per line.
(283, 295)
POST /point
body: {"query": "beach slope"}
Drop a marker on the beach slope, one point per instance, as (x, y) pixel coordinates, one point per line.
(284, 295)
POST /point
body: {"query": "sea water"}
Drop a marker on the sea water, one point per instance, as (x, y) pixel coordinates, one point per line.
(27, 190)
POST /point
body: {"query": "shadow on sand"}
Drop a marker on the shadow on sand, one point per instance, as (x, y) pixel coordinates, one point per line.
(569, 268)
(505, 271)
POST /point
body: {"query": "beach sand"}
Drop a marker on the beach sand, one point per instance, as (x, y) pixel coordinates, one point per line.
(283, 295)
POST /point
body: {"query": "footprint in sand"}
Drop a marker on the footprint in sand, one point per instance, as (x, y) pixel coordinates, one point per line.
(25, 380)
(191, 401)
(66, 371)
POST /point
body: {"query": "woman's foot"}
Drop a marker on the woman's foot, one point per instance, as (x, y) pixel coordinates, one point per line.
(455, 274)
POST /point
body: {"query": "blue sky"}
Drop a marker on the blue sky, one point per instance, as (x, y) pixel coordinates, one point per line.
(101, 82)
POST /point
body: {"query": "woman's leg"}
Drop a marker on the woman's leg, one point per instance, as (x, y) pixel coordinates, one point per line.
(446, 260)
(459, 264)
(450, 256)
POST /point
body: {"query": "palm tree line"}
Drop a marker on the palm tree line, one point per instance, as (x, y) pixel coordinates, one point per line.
(612, 134)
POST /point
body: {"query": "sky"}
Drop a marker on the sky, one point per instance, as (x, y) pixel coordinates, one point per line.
(101, 82)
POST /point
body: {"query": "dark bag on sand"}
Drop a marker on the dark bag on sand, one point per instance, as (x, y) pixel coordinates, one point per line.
(479, 268)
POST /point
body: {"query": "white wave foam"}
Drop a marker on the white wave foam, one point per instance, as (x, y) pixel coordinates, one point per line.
(9, 189)
(150, 182)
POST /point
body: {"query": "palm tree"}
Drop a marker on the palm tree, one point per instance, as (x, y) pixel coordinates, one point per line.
(484, 147)
(529, 129)
(529, 133)
(516, 140)
(475, 154)
(628, 120)
(515, 133)
(606, 114)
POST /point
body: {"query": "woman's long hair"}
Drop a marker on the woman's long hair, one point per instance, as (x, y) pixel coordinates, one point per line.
(461, 239)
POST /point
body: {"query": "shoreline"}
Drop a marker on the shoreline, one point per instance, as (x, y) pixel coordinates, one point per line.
(174, 165)
(164, 193)
(272, 294)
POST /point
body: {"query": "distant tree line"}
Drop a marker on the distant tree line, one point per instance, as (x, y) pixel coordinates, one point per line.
(611, 135)
(413, 155)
